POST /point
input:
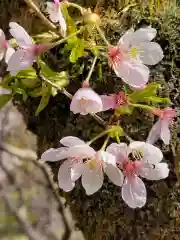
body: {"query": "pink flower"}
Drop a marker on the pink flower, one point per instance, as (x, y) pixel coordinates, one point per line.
(146, 163)
(161, 128)
(135, 49)
(114, 101)
(55, 14)
(28, 51)
(5, 48)
(85, 101)
(83, 161)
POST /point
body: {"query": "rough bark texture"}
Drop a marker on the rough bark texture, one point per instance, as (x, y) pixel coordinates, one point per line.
(104, 215)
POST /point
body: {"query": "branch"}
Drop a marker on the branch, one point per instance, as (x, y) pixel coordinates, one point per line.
(38, 12)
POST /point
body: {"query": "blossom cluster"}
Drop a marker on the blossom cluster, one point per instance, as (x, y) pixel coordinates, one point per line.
(123, 164)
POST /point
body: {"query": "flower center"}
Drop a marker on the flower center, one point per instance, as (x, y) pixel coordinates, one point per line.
(115, 54)
(130, 168)
(121, 99)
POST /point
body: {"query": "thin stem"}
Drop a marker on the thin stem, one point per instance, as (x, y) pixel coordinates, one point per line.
(67, 94)
(102, 35)
(97, 137)
(105, 143)
(81, 9)
(38, 12)
(66, 38)
(91, 70)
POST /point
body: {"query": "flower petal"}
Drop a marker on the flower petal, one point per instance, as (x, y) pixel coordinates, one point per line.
(145, 34)
(64, 177)
(20, 60)
(165, 132)
(110, 168)
(52, 154)
(9, 52)
(71, 141)
(85, 101)
(154, 133)
(109, 102)
(76, 171)
(125, 40)
(134, 192)
(120, 151)
(22, 37)
(81, 152)
(150, 53)
(160, 171)
(92, 179)
(133, 73)
(151, 154)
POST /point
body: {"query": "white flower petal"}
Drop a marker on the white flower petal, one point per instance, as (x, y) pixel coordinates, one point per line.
(9, 52)
(92, 179)
(133, 73)
(62, 23)
(143, 35)
(64, 177)
(120, 151)
(52, 154)
(22, 37)
(150, 53)
(110, 168)
(109, 102)
(76, 171)
(20, 60)
(2, 53)
(85, 101)
(71, 141)
(154, 133)
(160, 171)
(151, 154)
(165, 132)
(81, 152)
(134, 192)
(125, 40)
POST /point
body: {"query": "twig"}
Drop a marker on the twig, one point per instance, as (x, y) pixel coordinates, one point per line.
(102, 35)
(65, 92)
(91, 70)
(38, 12)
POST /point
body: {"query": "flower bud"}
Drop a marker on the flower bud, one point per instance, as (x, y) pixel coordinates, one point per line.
(92, 18)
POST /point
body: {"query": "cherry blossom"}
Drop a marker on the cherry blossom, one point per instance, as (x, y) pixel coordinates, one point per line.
(146, 163)
(55, 14)
(161, 128)
(83, 161)
(6, 50)
(85, 101)
(133, 50)
(114, 101)
(28, 51)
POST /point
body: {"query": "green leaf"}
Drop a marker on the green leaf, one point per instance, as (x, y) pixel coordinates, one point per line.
(142, 95)
(28, 78)
(46, 93)
(22, 92)
(29, 73)
(77, 51)
(124, 110)
(4, 99)
(6, 81)
(60, 78)
(71, 26)
(155, 99)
